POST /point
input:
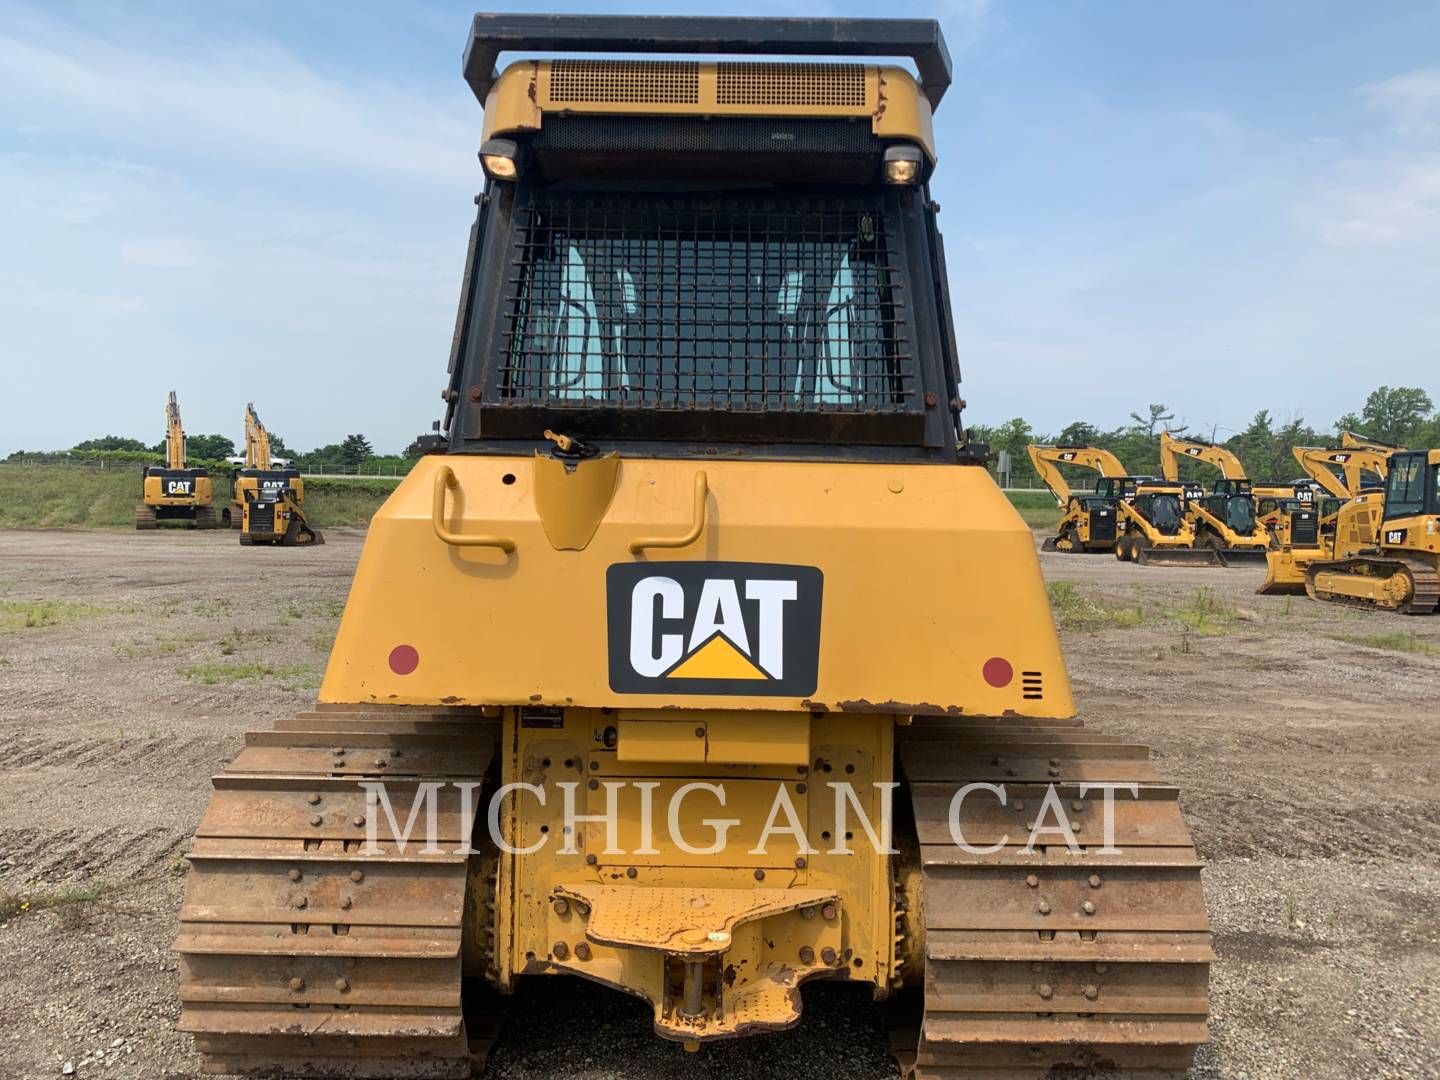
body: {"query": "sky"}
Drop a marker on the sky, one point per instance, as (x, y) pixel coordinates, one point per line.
(1219, 206)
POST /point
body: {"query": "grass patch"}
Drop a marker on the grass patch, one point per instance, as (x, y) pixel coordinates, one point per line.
(212, 672)
(161, 646)
(70, 497)
(1036, 507)
(1075, 610)
(33, 614)
(1206, 614)
(1394, 641)
(13, 905)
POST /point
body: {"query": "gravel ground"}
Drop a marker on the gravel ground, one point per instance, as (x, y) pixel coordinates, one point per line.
(1309, 764)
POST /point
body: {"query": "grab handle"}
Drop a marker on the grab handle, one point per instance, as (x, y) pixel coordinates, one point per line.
(444, 480)
(697, 523)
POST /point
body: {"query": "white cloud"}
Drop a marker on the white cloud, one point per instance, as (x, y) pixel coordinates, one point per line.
(1412, 101)
(167, 253)
(247, 101)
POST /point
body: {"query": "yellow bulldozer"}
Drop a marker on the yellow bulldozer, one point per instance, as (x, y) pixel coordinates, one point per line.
(175, 492)
(269, 504)
(707, 660)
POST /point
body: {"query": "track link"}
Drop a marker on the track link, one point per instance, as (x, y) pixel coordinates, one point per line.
(144, 517)
(1424, 598)
(1092, 960)
(302, 956)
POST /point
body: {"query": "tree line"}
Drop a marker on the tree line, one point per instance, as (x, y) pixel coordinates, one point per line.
(353, 454)
(1403, 415)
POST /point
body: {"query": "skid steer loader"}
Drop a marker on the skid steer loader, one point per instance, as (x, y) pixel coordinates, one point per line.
(1089, 521)
(1224, 519)
(709, 656)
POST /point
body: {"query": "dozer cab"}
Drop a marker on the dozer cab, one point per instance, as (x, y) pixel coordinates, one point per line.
(174, 492)
(1089, 521)
(705, 577)
(1224, 520)
(269, 504)
(1307, 533)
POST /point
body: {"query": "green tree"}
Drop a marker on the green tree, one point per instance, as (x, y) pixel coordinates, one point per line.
(1079, 433)
(354, 451)
(1396, 415)
(213, 447)
(114, 442)
(1158, 416)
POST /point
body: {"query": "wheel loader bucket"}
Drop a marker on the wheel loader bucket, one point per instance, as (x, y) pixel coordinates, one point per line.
(1242, 556)
(1178, 556)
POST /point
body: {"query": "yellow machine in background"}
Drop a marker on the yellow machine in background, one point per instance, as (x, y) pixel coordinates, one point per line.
(1307, 534)
(1089, 521)
(707, 574)
(1224, 519)
(269, 502)
(174, 492)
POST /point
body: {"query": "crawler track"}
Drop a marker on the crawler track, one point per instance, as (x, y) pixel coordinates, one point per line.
(1033, 961)
(1423, 592)
(299, 954)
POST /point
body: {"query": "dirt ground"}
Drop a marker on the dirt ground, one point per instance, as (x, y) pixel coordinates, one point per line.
(1305, 737)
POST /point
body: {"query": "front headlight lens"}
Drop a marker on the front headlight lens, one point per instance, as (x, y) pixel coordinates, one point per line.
(902, 164)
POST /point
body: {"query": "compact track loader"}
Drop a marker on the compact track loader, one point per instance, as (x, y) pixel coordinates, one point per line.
(1224, 520)
(269, 504)
(709, 656)
(174, 492)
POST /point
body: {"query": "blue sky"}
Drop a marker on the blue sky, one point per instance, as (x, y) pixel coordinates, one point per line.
(1219, 206)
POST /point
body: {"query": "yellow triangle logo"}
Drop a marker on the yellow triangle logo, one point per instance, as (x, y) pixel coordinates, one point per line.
(716, 659)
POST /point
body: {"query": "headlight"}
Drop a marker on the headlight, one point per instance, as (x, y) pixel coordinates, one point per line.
(902, 164)
(500, 159)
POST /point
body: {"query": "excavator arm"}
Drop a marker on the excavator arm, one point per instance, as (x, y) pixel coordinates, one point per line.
(1172, 448)
(1319, 463)
(257, 441)
(1048, 459)
(174, 435)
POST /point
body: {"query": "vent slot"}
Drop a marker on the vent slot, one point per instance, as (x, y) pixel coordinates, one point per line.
(790, 84)
(1032, 685)
(612, 82)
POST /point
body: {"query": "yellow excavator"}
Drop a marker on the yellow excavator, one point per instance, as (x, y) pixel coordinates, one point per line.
(1224, 519)
(641, 678)
(269, 503)
(1089, 521)
(174, 492)
(1308, 535)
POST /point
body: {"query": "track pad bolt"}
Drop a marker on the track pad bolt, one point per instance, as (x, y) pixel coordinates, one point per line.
(317, 820)
(1046, 991)
(1094, 881)
(297, 984)
(358, 820)
(342, 985)
(357, 875)
(1088, 908)
(1044, 907)
(294, 874)
(313, 799)
(1033, 881)
(1091, 992)
(301, 902)
(345, 903)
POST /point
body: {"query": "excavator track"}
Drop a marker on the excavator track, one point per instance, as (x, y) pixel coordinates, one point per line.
(303, 956)
(145, 517)
(1421, 597)
(1032, 961)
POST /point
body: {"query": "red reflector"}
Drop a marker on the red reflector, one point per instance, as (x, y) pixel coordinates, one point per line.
(998, 672)
(404, 659)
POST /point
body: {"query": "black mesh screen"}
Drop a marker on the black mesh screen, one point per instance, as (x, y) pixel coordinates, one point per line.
(738, 304)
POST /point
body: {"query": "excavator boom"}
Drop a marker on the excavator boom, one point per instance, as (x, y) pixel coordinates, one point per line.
(174, 435)
(1172, 448)
(1047, 460)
